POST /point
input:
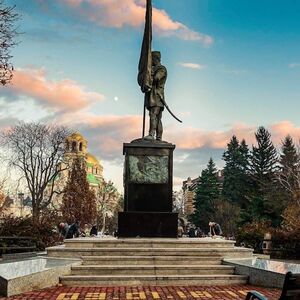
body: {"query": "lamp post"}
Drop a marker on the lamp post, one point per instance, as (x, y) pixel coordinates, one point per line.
(21, 198)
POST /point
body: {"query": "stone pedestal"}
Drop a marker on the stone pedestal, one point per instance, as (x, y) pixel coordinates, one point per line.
(148, 185)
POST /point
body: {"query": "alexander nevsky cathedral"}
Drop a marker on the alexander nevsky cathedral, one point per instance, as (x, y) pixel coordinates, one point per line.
(76, 146)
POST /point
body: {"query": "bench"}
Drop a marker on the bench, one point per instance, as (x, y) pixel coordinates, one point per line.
(290, 290)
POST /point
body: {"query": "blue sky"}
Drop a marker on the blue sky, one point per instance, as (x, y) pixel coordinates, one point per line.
(246, 69)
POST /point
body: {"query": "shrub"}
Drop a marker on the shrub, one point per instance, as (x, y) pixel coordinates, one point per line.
(252, 235)
(291, 221)
(45, 231)
(286, 240)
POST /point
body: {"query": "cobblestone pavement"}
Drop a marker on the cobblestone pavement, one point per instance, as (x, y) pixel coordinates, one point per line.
(237, 292)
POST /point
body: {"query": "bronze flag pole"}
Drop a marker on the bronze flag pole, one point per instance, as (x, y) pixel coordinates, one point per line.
(145, 63)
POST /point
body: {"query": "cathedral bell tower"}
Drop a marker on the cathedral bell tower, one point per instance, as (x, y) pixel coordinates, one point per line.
(76, 145)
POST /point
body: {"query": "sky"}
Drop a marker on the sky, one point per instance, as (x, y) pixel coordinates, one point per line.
(232, 66)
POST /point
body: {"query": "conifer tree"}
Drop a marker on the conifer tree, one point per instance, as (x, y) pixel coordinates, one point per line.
(264, 158)
(79, 201)
(264, 163)
(245, 156)
(289, 158)
(235, 172)
(206, 193)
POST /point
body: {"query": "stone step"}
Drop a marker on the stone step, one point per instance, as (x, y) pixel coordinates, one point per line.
(160, 280)
(151, 260)
(148, 243)
(152, 270)
(237, 252)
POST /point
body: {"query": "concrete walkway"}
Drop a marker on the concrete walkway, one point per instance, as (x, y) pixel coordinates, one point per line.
(237, 292)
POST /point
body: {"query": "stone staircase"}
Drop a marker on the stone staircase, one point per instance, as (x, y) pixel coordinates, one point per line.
(119, 262)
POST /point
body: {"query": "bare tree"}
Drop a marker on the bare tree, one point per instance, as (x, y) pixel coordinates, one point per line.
(38, 151)
(8, 32)
(289, 174)
(290, 181)
(107, 199)
(178, 202)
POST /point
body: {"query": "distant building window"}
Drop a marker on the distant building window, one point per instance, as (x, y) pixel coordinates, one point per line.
(74, 146)
(80, 147)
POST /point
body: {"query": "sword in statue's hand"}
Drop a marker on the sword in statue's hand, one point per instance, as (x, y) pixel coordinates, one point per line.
(169, 110)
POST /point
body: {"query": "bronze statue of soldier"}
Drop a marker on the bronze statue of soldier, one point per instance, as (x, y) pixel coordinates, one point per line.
(152, 77)
(155, 97)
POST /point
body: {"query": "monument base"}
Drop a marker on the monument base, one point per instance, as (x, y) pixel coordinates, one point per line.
(148, 224)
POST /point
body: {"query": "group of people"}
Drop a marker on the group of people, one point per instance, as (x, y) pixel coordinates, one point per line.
(192, 232)
(70, 231)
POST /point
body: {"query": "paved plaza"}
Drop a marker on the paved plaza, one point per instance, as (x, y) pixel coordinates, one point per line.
(237, 292)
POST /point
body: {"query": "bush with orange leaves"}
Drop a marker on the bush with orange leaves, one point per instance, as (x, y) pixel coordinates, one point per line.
(291, 221)
(252, 234)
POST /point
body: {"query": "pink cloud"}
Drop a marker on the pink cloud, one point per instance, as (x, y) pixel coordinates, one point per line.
(117, 14)
(282, 129)
(58, 95)
(111, 131)
(192, 138)
(108, 131)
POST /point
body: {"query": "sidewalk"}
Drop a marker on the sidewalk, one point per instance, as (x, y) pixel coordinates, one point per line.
(237, 292)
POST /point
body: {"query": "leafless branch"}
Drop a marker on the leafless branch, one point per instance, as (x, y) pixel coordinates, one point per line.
(37, 150)
(8, 33)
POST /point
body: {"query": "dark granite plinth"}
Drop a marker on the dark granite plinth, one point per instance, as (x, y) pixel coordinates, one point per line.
(148, 197)
(148, 177)
(148, 224)
(148, 186)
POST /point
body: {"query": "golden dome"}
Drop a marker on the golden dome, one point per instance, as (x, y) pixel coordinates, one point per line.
(76, 136)
(90, 158)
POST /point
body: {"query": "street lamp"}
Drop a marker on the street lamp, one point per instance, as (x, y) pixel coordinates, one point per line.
(21, 198)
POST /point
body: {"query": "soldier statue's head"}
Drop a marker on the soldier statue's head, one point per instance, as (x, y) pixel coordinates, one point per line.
(156, 57)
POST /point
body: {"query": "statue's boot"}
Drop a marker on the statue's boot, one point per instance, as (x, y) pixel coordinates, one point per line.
(153, 125)
(149, 137)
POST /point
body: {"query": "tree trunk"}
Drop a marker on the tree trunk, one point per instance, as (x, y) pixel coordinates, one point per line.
(35, 214)
(103, 223)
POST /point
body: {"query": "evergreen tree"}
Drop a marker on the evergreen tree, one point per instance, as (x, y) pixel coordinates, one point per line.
(263, 158)
(206, 193)
(263, 166)
(245, 156)
(289, 158)
(235, 172)
(79, 201)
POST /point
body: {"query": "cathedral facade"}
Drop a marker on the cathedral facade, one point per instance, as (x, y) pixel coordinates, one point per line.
(77, 146)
